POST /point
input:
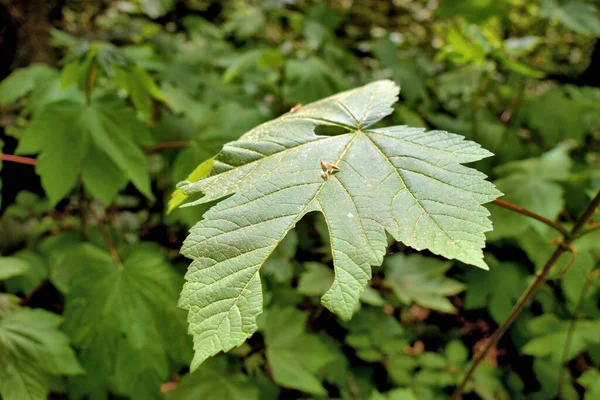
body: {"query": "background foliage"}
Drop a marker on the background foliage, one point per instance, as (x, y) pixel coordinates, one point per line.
(120, 100)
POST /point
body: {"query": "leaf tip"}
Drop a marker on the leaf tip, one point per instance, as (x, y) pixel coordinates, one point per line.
(197, 361)
(482, 264)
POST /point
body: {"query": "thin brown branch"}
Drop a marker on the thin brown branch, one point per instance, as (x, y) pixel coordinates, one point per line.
(531, 214)
(587, 214)
(106, 237)
(90, 85)
(589, 228)
(13, 12)
(534, 286)
(18, 159)
(569, 266)
(507, 114)
(167, 145)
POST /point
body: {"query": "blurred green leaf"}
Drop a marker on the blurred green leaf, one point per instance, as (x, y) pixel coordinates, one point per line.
(33, 351)
(280, 262)
(66, 152)
(309, 80)
(547, 374)
(140, 86)
(421, 280)
(396, 394)
(12, 266)
(552, 126)
(576, 15)
(246, 21)
(68, 258)
(225, 123)
(373, 345)
(591, 380)
(549, 335)
(123, 320)
(28, 280)
(497, 289)
(534, 185)
(8, 302)
(156, 8)
(22, 81)
(316, 279)
(215, 381)
(295, 357)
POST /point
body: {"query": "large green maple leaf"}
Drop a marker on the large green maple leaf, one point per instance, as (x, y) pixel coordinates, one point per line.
(399, 179)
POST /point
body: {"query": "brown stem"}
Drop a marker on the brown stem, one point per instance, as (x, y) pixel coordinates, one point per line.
(531, 214)
(90, 85)
(590, 228)
(167, 145)
(533, 287)
(507, 114)
(587, 214)
(107, 239)
(18, 159)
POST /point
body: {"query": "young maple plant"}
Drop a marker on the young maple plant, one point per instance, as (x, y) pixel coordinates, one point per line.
(365, 181)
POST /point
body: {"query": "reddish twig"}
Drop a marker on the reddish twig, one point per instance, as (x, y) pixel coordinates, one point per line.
(531, 214)
(18, 159)
(106, 237)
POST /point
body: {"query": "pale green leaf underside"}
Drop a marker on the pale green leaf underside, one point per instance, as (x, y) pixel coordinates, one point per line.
(400, 179)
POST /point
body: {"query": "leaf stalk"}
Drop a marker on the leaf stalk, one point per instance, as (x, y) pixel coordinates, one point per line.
(107, 239)
(18, 159)
(531, 214)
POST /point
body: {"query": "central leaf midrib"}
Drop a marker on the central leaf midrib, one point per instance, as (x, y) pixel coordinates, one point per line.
(358, 214)
(256, 162)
